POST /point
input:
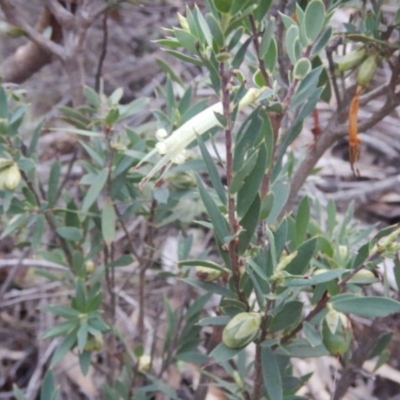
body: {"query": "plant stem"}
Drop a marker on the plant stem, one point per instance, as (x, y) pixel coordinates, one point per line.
(233, 223)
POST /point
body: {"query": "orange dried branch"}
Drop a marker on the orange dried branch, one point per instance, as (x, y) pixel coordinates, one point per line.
(354, 140)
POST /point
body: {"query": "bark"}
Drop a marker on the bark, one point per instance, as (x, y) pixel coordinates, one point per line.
(31, 57)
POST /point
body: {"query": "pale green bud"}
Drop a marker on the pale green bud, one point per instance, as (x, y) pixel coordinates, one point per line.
(207, 274)
(364, 276)
(90, 266)
(367, 70)
(351, 60)
(10, 177)
(94, 343)
(386, 243)
(241, 329)
(343, 252)
(144, 363)
(336, 332)
(285, 260)
(5, 163)
(183, 22)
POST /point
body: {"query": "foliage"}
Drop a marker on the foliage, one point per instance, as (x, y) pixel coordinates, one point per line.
(287, 281)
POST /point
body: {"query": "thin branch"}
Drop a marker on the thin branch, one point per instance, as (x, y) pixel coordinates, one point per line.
(12, 14)
(332, 132)
(62, 15)
(103, 54)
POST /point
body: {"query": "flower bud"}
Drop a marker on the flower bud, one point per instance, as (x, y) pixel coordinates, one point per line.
(10, 176)
(343, 253)
(183, 22)
(367, 70)
(351, 60)
(144, 363)
(386, 243)
(285, 260)
(13, 177)
(363, 276)
(94, 343)
(207, 274)
(181, 180)
(241, 329)
(89, 266)
(336, 332)
(5, 163)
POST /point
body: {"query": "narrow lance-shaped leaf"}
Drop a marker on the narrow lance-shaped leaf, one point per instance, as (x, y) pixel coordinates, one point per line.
(95, 189)
(218, 221)
(271, 374)
(108, 220)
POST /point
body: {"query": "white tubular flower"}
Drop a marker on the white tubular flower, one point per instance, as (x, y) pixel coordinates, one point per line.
(173, 147)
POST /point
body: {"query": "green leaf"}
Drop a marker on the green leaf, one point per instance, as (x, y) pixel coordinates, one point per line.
(184, 57)
(239, 178)
(64, 347)
(34, 141)
(312, 334)
(48, 390)
(249, 190)
(249, 224)
(287, 317)
(267, 37)
(314, 280)
(370, 307)
(220, 320)
(92, 97)
(18, 393)
(362, 255)
(63, 311)
(212, 171)
(95, 189)
(262, 9)
(381, 345)
(3, 104)
(222, 353)
(186, 39)
(164, 66)
(271, 374)
(306, 87)
(61, 329)
(210, 287)
(271, 56)
(84, 361)
(301, 348)
(112, 116)
(280, 193)
(218, 221)
(202, 263)
(302, 220)
(223, 6)
(216, 30)
(240, 54)
(53, 183)
(82, 336)
(292, 41)
(70, 233)
(314, 19)
(301, 68)
(322, 41)
(38, 231)
(83, 132)
(108, 221)
(258, 270)
(304, 255)
(246, 140)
